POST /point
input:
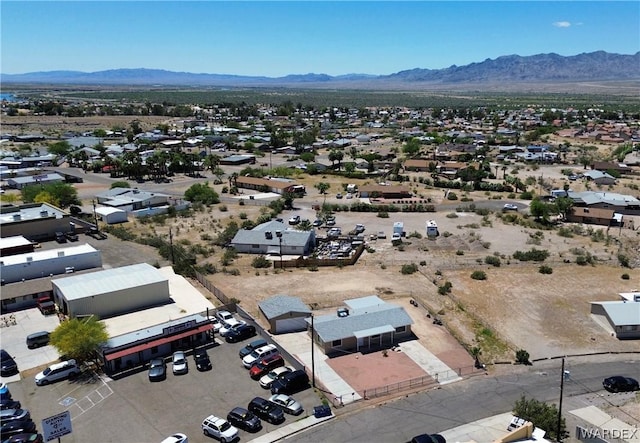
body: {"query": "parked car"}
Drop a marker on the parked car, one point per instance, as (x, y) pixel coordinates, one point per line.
(157, 369)
(267, 379)
(60, 237)
(258, 354)
(8, 403)
(428, 438)
(338, 195)
(294, 220)
(266, 410)
(618, 383)
(334, 232)
(229, 325)
(8, 365)
(176, 438)
(330, 221)
(290, 383)
(71, 236)
(359, 229)
(11, 428)
(203, 363)
(317, 223)
(251, 346)
(396, 237)
(14, 414)
(216, 323)
(349, 196)
(509, 207)
(37, 339)
(5, 394)
(247, 420)
(242, 332)
(179, 363)
(58, 371)
(381, 235)
(29, 437)
(219, 428)
(265, 365)
(287, 403)
(225, 316)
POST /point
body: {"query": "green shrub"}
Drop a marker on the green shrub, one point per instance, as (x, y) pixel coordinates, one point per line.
(623, 260)
(522, 357)
(445, 288)
(459, 252)
(532, 255)
(544, 269)
(383, 214)
(452, 215)
(261, 262)
(492, 260)
(625, 276)
(452, 196)
(409, 269)
(478, 275)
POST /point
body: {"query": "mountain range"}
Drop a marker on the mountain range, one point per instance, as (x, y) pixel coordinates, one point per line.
(597, 66)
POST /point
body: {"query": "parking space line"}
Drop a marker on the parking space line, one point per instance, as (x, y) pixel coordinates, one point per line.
(99, 394)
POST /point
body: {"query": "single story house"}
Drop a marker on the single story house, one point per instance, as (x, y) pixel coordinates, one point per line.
(621, 203)
(382, 191)
(620, 168)
(622, 316)
(285, 313)
(418, 164)
(132, 199)
(276, 185)
(40, 179)
(111, 215)
(367, 322)
(596, 216)
(238, 159)
(274, 238)
(599, 177)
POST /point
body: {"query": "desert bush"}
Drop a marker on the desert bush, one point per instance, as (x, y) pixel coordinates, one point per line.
(544, 269)
(479, 275)
(409, 269)
(625, 276)
(623, 260)
(452, 196)
(445, 288)
(492, 260)
(459, 252)
(522, 357)
(452, 215)
(261, 262)
(383, 214)
(531, 255)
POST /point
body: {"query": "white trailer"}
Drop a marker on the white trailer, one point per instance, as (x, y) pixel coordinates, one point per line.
(398, 228)
(432, 229)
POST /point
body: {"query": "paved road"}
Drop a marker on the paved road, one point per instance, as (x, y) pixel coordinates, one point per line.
(459, 403)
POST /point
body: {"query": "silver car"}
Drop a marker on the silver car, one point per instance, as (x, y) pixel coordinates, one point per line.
(287, 403)
(179, 363)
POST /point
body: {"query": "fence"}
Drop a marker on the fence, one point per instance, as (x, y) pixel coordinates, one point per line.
(419, 382)
(319, 262)
(214, 290)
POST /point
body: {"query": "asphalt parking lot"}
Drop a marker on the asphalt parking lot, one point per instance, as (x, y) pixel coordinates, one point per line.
(132, 409)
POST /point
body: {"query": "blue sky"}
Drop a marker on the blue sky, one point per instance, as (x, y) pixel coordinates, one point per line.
(276, 38)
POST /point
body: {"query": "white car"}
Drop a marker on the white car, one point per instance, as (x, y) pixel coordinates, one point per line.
(225, 316)
(216, 323)
(219, 428)
(226, 326)
(510, 207)
(258, 354)
(266, 380)
(57, 372)
(288, 404)
(176, 438)
(179, 363)
(396, 237)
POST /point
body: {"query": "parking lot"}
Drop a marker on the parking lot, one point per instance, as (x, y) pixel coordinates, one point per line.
(133, 409)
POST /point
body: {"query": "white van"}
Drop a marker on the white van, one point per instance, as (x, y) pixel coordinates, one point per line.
(259, 354)
(58, 371)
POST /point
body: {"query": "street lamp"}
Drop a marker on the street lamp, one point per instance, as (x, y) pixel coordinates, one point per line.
(279, 235)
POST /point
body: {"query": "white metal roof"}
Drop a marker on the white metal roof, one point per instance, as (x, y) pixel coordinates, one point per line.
(13, 241)
(109, 280)
(47, 255)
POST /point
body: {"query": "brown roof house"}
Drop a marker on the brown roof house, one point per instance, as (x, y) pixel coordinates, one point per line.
(382, 191)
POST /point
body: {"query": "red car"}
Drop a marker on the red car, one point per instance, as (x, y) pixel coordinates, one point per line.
(265, 365)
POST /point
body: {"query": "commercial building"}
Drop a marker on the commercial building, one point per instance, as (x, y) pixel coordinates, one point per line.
(112, 291)
(51, 262)
(132, 349)
(34, 221)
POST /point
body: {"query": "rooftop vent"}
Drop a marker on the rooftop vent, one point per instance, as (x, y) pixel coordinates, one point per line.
(343, 312)
(16, 216)
(44, 213)
(268, 235)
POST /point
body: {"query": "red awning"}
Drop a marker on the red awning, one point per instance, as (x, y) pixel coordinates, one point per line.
(158, 342)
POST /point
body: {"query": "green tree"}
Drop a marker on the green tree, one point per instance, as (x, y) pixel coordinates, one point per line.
(564, 206)
(64, 193)
(411, 147)
(79, 338)
(539, 209)
(322, 187)
(201, 193)
(542, 415)
(336, 156)
(60, 149)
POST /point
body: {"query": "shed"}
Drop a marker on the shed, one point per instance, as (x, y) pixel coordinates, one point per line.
(622, 316)
(112, 291)
(111, 215)
(285, 313)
